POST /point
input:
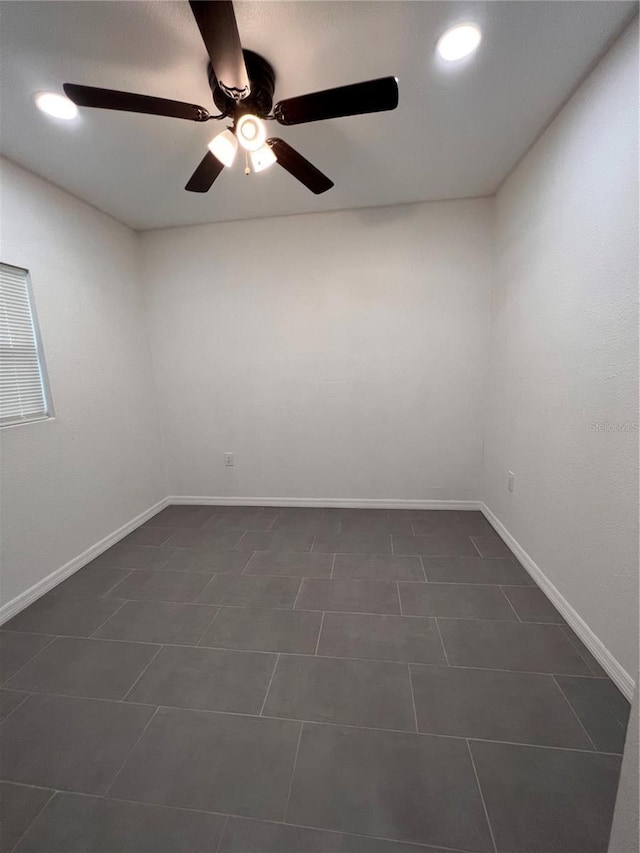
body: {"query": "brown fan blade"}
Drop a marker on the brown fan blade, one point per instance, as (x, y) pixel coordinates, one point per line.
(372, 96)
(206, 173)
(110, 99)
(299, 167)
(216, 21)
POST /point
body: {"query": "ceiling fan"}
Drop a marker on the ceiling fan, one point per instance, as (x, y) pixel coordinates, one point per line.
(242, 83)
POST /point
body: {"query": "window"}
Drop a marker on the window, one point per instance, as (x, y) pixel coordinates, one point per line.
(23, 390)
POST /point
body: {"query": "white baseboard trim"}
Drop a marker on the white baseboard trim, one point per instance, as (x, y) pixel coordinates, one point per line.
(11, 608)
(342, 503)
(601, 653)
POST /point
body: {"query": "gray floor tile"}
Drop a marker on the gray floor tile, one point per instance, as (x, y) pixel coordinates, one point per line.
(149, 535)
(363, 844)
(584, 652)
(439, 523)
(310, 524)
(17, 649)
(257, 836)
(447, 544)
(260, 629)
(378, 567)
(182, 516)
(532, 605)
(215, 762)
(158, 622)
(81, 824)
(90, 582)
(70, 744)
(207, 561)
(123, 556)
(467, 601)
(511, 706)
(441, 517)
(244, 591)
(291, 563)
(332, 690)
(353, 542)
(492, 547)
(392, 785)
(161, 586)
(54, 614)
(603, 710)
(242, 519)
(206, 680)
(360, 635)
(205, 538)
(19, 805)
(510, 645)
(97, 669)
(9, 701)
(280, 540)
(475, 524)
(547, 799)
(475, 570)
(389, 524)
(348, 596)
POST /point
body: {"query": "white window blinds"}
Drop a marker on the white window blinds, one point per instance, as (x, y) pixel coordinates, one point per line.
(22, 387)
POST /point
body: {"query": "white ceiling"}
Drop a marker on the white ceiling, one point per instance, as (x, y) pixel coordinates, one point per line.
(457, 132)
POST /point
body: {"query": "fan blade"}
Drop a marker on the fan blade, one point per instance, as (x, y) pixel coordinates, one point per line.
(110, 99)
(373, 96)
(216, 21)
(299, 167)
(206, 173)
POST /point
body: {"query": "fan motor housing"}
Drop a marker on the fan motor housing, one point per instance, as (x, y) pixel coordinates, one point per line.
(262, 78)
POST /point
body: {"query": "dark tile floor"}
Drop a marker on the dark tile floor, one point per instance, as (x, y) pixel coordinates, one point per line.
(264, 680)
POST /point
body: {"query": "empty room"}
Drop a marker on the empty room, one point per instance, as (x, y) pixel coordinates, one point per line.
(319, 426)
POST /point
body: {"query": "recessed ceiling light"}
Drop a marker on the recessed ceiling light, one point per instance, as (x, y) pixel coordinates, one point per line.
(56, 105)
(459, 41)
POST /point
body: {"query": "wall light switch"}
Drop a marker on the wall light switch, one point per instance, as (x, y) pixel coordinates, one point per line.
(510, 482)
(228, 460)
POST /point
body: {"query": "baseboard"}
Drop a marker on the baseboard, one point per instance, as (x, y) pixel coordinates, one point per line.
(11, 608)
(342, 503)
(601, 653)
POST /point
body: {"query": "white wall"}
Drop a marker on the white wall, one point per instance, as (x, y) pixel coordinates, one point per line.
(337, 355)
(564, 353)
(69, 482)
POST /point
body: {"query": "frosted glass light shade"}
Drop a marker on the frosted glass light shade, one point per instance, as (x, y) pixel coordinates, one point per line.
(58, 106)
(224, 147)
(459, 41)
(251, 132)
(262, 158)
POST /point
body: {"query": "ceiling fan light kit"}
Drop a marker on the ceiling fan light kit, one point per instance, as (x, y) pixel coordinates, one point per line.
(243, 84)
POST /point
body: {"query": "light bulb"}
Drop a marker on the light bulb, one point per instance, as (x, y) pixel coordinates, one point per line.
(224, 147)
(56, 105)
(262, 158)
(459, 41)
(251, 132)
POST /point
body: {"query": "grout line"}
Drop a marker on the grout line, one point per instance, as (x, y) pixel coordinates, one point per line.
(484, 805)
(319, 634)
(54, 637)
(92, 636)
(446, 657)
(399, 597)
(575, 713)
(333, 565)
(20, 703)
(202, 636)
(137, 741)
(501, 588)
(413, 698)
(124, 698)
(478, 549)
(295, 600)
(222, 833)
(273, 672)
(33, 820)
(424, 569)
(393, 552)
(113, 586)
(293, 772)
(249, 561)
(574, 640)
(108, 594)
(202, 592)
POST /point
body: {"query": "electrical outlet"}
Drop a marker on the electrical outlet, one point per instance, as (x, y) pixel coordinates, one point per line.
(511, 480)
(228, 460)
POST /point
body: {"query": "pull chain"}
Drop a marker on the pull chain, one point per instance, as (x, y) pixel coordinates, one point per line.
(247, 170)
